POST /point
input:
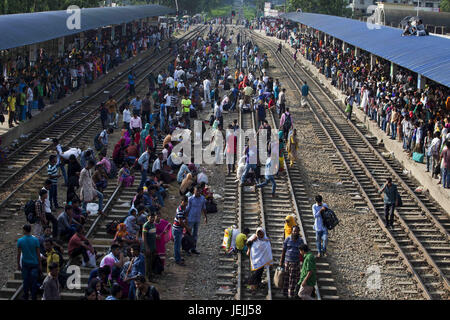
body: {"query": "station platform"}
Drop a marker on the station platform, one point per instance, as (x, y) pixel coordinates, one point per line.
(9, 135)
(416, 170)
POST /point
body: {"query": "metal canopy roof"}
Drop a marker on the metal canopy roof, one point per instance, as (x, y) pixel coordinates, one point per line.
(27, 28)
(427, 55)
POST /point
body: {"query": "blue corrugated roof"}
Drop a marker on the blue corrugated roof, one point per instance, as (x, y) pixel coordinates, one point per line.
(428, 55)
(27, 28)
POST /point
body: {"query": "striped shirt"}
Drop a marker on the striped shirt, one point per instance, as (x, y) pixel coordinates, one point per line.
(52, 171)
(181, 215)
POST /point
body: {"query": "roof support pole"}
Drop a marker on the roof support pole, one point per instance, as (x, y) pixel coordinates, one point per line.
(373, 61)
(124, 29)
(357, 52)
(32, 53)
(344, 46)
(113, 32)
(393, 70)
(82, 39)
(60, 47)
(421, 81)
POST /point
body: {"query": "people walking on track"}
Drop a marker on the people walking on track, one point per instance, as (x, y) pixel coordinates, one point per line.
(391, 197)
(290, 260)
(321, 231)
(308, 277)
(280, 46)
(305, 92)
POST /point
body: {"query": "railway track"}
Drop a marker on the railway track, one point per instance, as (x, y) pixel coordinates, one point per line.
(29, 155)
(419, 241)
(77, 128)
(246, 208)
(117, 199)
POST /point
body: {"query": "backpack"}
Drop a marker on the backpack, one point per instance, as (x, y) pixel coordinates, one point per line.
(211, 206)
(30, 211)
(188, 242)
(287, 123)
(329, 219)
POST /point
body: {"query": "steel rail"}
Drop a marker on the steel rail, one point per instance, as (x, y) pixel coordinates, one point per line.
(74, 111)
(360, 187)
(121, 97)
(375, 183)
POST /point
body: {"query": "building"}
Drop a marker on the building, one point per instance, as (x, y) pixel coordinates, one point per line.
(363, 7)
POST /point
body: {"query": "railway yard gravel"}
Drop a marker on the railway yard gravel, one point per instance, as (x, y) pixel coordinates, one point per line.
(352, 249)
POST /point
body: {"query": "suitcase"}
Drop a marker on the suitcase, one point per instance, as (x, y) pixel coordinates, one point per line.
(418, 157)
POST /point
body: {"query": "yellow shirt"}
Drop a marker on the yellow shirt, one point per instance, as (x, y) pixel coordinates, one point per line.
(12, 103)
(52, 257)
(186, 104)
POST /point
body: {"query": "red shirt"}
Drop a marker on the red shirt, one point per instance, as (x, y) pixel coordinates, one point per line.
(149, 141)
(132, 151)
(75, 242)
(271, 103)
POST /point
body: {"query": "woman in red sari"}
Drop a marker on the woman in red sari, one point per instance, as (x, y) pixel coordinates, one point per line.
(163, 235)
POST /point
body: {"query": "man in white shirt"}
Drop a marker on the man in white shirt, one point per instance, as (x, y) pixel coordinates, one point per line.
(157, 163)
(170, 82)
(144, 161)
(126, 116)
(321, 230)
(29, 99)
(48, 210)
(60, 161)
(207, 89)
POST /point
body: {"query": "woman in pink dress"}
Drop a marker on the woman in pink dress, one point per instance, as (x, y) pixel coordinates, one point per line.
(163, 235)
(125, 176)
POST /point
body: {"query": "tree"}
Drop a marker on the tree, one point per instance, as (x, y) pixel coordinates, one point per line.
(445, 5)
(331, 7)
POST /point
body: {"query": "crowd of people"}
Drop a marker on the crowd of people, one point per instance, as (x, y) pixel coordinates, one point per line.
(27, 85)
(199, 80)
(418, 118)
(138, 248)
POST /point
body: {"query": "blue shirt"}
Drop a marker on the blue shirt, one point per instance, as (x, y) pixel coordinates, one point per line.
(318, 222)
(130, 79)
(28, 245)
(183, 170)
(194, 208)
(138, 267)
(305, 90)
(291, 249)
(390, 194)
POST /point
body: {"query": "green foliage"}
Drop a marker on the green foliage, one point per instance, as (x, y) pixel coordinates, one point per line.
(445, 5)
(332, 7)
(249, 13)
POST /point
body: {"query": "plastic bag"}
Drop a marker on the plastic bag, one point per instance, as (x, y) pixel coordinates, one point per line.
(92, 260)
(278, 277)
(92, 208)
(68, 153)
